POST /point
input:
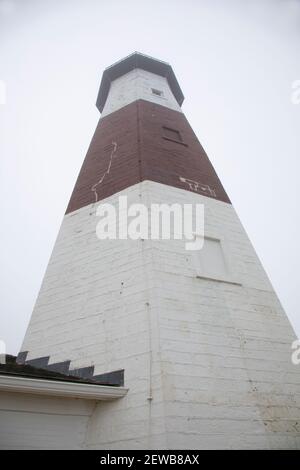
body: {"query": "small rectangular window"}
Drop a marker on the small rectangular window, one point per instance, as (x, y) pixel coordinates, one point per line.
(172, 134)
(157, 92)
(211, 259)
(214, 261)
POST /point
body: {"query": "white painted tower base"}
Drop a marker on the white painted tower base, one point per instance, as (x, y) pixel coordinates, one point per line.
(206, 348)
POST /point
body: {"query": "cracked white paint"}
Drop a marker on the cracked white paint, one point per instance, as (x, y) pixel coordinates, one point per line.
(94, 187)
(196, 186)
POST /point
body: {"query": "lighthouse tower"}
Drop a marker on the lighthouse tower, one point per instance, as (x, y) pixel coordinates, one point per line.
(202, 339)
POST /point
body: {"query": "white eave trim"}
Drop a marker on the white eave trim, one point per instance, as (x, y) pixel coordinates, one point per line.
(9, 383)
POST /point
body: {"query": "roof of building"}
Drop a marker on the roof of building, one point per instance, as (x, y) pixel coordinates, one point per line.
(13, 368)
(26, 378)
(134, 61)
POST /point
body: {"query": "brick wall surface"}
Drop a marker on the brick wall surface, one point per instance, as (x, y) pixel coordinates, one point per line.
(142, 153)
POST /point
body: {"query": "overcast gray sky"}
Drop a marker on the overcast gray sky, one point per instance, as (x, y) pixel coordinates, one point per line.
(235, 60)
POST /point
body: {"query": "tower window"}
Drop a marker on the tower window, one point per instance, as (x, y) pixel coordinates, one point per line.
(156, 92)
(173, 135)
(211, 259)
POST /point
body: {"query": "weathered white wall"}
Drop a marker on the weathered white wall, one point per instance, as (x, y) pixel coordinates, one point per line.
(213, 354)
(94, 308)
(32, 422)
(225, 349)
(137, 85)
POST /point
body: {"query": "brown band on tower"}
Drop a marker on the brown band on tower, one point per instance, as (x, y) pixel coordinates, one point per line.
(168, 152)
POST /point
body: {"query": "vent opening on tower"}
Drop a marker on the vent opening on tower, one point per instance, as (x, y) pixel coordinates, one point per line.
(173, 135)
(157, 92)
